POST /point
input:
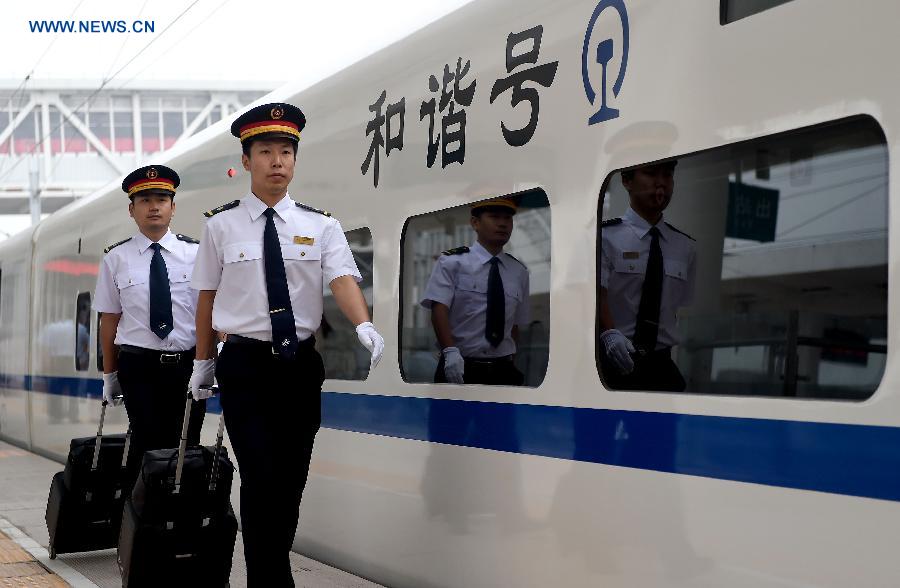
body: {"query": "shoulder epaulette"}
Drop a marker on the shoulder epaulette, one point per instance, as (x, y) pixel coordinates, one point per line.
(311, 209)
(514, 259)
(457, 250)
(610, 222)
(218, 209)
(186, 239)
(678, 231)
(114, 245)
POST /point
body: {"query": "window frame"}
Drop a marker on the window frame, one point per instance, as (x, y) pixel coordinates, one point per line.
(785, 133)
(87, 363)
(536, 188)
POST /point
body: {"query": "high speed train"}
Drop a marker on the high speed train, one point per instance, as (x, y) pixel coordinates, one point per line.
(779, 465)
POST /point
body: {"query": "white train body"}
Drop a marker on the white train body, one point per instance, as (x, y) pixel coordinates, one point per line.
(753, 490)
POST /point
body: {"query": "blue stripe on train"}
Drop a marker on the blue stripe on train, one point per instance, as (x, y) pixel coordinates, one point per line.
(64, 386)
(855, 460)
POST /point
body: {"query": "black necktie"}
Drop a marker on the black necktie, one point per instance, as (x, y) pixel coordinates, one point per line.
(160, 295)
(284, 333)
(496, 305)
(646, 330)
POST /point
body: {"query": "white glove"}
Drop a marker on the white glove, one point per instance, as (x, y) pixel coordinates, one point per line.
(112, 391)
(454, 366)
(617, 348)
(372, 341)
(204, 374)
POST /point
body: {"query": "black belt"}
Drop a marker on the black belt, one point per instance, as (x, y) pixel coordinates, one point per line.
(165, 357)
(667, 351)
(489, 360)
(241, 340)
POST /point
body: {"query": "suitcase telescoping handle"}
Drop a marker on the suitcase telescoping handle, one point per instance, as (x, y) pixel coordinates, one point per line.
(214, 474)
(99, 440)
(95, 463)
(182, 445)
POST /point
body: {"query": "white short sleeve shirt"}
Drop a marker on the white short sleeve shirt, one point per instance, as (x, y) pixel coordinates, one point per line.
(625, 251)
(123, 286)
(459, 281)
(230, 261)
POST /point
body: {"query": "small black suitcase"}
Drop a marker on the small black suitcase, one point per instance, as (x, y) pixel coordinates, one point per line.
(84, 508)
(178, 521)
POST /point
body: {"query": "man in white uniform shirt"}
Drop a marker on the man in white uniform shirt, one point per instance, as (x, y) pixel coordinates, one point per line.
(647, 273)
(261, 267)
(147, 322)
(478, 298)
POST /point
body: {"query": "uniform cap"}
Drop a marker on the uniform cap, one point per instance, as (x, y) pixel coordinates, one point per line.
(497, 203)
(269, 121)
(151, 177)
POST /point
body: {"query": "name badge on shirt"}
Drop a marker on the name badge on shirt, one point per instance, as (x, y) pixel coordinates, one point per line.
(631, 254)
(303, 240)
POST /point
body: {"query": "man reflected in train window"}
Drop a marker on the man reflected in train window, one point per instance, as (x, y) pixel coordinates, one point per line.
(478, 298)
(647, 273)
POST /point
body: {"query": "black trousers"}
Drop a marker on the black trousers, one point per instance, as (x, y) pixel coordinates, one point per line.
(272, 411)
(492, 372)
(155, 394)
(654, 372)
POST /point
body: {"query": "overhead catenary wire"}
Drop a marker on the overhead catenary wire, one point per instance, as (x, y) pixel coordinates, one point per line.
(25, 80)
(103, 84)
(175, 44)
(108, 79)
(124, 41)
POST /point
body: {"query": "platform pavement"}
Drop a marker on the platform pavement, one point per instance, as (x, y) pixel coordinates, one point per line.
(24, 484)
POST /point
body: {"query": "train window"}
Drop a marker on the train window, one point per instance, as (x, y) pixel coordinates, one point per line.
(781, 287)
(452, 297)
(732, 10)
(345, 358)
(82, 331)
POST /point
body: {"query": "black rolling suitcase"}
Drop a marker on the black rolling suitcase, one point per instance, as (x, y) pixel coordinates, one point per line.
(84, 508)
(178, 522)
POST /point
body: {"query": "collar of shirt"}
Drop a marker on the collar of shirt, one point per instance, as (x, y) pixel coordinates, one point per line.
(256, 207)
(482, 255)
(143, 242)
(640, 224)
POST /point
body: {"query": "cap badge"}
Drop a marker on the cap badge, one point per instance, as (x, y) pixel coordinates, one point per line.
(277, 113)
(152, 174)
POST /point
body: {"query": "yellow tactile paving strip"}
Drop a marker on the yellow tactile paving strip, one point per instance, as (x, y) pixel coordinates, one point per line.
(19, 568)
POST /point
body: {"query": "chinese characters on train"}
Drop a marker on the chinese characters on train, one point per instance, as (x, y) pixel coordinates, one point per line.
(451, 94)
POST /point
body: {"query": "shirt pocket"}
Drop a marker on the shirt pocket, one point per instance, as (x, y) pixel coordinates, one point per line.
(241, 252)
(675, 269)
(676, 287)
(295, 252)
(631, 266)
(134, 290)
(179, 274)
(470, 295)
(513, 292)
(130, 279)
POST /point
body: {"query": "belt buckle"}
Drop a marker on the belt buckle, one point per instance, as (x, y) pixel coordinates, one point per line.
(169, 358)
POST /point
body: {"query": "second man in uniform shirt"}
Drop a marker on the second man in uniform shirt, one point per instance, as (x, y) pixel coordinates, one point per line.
(478, 298)
(147, 323)
(647, 273)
